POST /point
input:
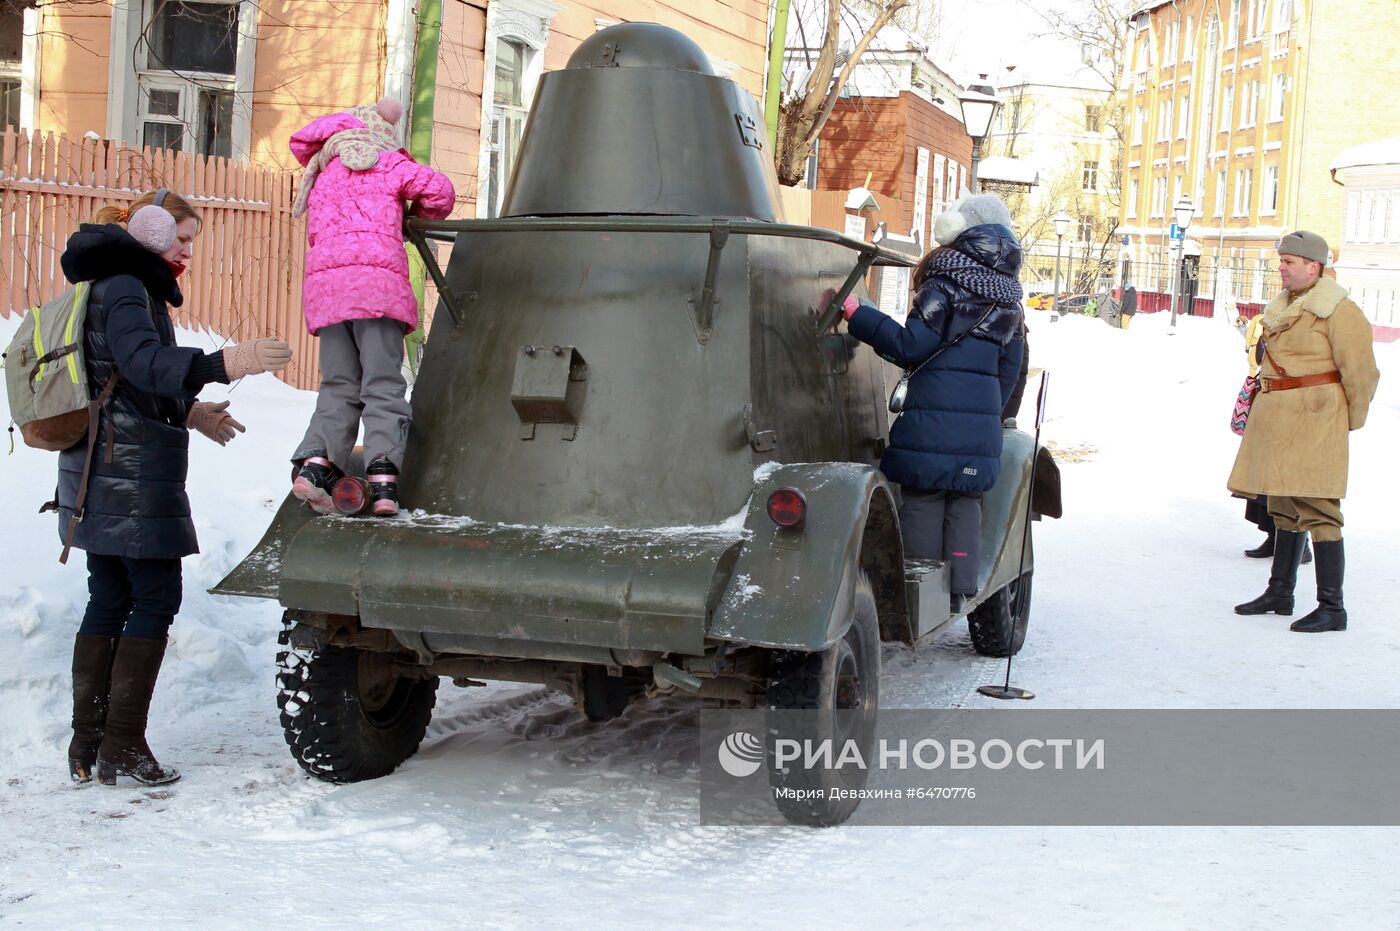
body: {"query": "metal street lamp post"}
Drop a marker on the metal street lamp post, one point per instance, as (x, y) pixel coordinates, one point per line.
(1062, 221)
(1183, 211)
(979, 107)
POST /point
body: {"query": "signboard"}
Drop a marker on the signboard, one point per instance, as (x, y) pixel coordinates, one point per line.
(1176, 233)
(920, 219)
(855, 226)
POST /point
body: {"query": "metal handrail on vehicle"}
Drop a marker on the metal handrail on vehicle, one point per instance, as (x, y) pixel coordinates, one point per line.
(419, 231)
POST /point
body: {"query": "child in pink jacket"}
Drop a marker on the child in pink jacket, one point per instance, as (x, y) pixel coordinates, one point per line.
(357, 296)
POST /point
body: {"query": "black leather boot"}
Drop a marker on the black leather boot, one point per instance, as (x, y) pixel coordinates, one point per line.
(1263, 550)
(124, 751)
(92, 679)
(1278, 597)
(1329, 613)
(1307, 550)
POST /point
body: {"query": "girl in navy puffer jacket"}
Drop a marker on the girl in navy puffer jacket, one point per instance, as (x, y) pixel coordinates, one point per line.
(945, 448)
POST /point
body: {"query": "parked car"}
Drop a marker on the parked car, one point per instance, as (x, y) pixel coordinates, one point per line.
(1078, 304)
(1041, 300)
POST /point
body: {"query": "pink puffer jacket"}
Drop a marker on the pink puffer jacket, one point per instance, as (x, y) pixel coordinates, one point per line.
(356, 267)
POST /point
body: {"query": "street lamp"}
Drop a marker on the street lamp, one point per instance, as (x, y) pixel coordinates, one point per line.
(1182, 212)
(1062, 221)
(979, 107)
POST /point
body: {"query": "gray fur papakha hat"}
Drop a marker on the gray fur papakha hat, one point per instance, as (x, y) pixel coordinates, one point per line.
(1306, 245)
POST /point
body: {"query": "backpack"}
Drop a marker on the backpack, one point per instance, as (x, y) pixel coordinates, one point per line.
(47, 385)
(46, 375)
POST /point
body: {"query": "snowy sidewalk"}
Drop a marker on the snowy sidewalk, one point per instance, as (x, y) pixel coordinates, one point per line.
(517, 812)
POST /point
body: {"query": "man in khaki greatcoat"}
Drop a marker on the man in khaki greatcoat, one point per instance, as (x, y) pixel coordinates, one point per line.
(1317, 380)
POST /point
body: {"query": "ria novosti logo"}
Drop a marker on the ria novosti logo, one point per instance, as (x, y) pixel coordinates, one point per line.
(741, 754)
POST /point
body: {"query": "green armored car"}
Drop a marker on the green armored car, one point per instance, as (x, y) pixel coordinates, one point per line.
(642, 459)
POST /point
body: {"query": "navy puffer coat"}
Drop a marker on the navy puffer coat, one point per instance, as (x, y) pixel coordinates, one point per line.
(136, 504)
(949, 436)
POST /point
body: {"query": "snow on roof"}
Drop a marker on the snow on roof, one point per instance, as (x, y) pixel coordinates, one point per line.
(1007, 170)
(1380, 152)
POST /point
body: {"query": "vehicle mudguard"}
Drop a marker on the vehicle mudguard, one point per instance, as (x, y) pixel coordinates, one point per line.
(794, 588)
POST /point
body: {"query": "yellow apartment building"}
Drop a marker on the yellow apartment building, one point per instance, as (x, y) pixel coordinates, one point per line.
(236, 78)
(1242, 106)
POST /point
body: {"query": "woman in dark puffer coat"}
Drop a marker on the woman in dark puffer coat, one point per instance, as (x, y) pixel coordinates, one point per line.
(966, 324)
(135, 520)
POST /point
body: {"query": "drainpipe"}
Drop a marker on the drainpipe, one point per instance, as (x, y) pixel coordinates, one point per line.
(420, 144)
(774, 85)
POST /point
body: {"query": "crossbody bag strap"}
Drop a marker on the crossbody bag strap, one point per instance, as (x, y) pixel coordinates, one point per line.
(95, 407)
(950, 344)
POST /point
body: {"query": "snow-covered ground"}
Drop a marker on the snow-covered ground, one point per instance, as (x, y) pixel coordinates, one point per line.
(517, 812)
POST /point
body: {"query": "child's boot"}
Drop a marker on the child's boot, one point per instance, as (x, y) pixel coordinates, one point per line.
(383, 478)
(314, 481)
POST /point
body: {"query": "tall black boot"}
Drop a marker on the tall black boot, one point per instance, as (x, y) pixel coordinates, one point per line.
(1329, 613)
(124, 751)
(1278, 597)
(92, 680)
(1307, 550)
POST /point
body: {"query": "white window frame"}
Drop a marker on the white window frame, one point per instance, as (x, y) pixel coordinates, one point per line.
(1222, 193)
(1283, 16)
(27, 74)
(528, 23)
(1139, 125)
(1227, 106)
(1277, 95)
(1164, 120)
(1244, 191)
(1189, 52)
(1132, 199)
(125, 79)
(1353, 215)
(1259, 15)
(1183, 122)
(1089, 176)
(1268, 206)
(1249, 105)
(1169, 43)
(1393, 234)
(1233, 25)
(1379, 208)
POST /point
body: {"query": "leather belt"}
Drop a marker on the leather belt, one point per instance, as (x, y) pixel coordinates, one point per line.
(1300, 381)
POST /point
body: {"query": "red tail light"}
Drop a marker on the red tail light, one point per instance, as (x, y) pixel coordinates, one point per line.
(350, 494)
(787, 507)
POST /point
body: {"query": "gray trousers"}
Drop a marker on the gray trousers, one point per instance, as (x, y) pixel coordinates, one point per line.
(944, 525)
(361, 375)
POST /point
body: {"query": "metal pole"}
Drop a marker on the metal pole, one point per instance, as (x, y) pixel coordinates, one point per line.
(1055, 295)
(774, 86)
(1176, 275)
(976, 157)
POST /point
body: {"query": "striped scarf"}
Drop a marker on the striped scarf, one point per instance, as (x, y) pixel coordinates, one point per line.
(975, 277)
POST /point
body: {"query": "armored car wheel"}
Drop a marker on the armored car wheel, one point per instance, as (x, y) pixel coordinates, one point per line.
(998, 625)
(830, 695)
(346, 717)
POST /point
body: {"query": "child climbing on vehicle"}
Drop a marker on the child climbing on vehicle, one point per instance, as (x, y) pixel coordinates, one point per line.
(962, 347)
(357, 296)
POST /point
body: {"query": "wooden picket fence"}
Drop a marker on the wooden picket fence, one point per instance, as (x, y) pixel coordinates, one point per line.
(245, 279)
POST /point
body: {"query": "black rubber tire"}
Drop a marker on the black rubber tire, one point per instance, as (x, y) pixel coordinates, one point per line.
(998, 625)
(838, 692)
(333, 734)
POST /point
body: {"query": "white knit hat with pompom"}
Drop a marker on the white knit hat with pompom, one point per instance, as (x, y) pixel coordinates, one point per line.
(968, 211)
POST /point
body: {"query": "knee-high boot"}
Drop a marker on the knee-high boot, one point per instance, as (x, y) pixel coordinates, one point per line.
(92, 680)
(124, 751)
(1278, 597)
(1329, 613)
